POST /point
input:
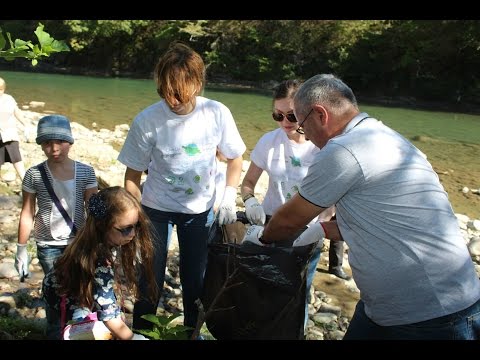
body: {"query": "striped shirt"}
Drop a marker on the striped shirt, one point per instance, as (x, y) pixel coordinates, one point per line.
(33, 183)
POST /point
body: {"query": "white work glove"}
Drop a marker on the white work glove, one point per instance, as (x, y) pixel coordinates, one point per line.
(314, 233)
(139, 337)
(21, 261)
(254, 212)
(227, 211)
(253, 235)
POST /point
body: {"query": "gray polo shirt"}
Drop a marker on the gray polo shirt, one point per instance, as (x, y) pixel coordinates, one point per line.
(407, 254)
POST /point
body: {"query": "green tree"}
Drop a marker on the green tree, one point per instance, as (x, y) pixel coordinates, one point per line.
(109, 46)
(26, 49)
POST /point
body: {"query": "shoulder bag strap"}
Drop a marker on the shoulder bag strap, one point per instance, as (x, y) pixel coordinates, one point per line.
(58, 204)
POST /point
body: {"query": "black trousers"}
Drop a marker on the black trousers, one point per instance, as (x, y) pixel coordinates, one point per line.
(335, 255)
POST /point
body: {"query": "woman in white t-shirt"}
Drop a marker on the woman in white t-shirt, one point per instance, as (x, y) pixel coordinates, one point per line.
(176, 140)
(286, 156)
(283, 153)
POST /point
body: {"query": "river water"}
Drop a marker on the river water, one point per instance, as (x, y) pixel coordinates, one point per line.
(112, 101)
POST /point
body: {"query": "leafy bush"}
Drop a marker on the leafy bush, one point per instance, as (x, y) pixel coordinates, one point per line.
(26, 49)
(163, 328)
(18, 328)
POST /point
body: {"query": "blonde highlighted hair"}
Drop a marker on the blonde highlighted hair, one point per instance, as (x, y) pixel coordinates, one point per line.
(179, 74)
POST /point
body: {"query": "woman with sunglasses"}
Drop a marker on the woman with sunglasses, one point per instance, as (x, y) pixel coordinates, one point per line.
(115, 240)
(285, 154)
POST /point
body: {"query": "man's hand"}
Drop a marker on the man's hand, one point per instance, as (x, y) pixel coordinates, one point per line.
(253, 235)
(254, 211)
(22, 261)
(227, 211)
(314, 233)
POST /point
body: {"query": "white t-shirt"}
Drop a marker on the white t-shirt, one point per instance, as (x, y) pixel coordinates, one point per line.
(180, 153)
(65, 191)
(8, 124)
(286, 163)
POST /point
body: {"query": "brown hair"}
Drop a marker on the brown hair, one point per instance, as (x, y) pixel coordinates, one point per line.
(75, 269)
(179, 74)
(286, 89)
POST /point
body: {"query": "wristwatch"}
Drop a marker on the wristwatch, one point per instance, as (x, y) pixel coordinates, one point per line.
(248, 196)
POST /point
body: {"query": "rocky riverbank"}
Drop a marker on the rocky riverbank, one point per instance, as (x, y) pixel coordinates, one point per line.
(332, 300)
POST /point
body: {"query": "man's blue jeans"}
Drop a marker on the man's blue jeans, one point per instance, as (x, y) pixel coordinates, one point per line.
(462, 325)
(312, 268)
(192, 232)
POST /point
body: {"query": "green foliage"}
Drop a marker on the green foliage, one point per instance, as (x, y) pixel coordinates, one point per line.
(23, 299)
(163, 329)
(86, 32)
(26, 49)
(18, 328)
(432, 60)
(195, 29)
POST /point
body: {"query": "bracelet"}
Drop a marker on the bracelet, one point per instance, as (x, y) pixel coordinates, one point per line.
(248, 196)
(324, 230)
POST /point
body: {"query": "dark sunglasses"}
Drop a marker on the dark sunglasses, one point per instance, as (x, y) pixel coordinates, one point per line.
(279, 117)
(127, 230)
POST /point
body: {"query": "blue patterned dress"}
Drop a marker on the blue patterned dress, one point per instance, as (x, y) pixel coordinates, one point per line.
(105, 301)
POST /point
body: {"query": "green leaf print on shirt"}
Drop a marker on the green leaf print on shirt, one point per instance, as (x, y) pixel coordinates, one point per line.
(191, 149)
(196, 179)
(189, 191)
(295, 161)
(294, 189)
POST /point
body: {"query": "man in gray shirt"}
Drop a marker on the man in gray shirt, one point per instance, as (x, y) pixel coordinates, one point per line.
(407, 255)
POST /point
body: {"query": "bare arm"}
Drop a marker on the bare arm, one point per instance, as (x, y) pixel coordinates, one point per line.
(327, 214)
(250, 180)
(27, 214)
(132, 182)
(332, 232)
(19, 115)
(292, 216)
(234, 170)
(330, 226)
(119, 329)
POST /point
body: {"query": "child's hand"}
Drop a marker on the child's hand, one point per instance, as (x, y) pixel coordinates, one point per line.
(22, 261)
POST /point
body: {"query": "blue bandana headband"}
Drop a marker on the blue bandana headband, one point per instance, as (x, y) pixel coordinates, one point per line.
(97, 207)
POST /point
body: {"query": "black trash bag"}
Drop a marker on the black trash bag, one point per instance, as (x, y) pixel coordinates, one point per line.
(264, 297)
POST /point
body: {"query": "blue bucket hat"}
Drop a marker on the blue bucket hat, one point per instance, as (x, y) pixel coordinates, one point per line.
(54, 127)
